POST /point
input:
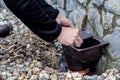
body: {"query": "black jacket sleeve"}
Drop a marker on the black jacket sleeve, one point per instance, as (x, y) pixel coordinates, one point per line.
(52, 12)
(35, 17)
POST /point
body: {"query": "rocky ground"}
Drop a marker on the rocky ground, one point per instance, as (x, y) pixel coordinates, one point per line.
(24, 56)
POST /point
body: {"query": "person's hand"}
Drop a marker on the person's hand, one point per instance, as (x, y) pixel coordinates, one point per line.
(63, 21)
(70, 37)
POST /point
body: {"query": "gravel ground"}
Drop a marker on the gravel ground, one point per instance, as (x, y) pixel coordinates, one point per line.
(24, 56)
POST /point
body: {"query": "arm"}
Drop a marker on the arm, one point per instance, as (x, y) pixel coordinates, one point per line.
(52, 12)
(33, 15)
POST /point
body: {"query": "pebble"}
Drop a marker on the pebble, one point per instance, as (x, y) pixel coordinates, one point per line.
(32, 65)
(53, 77)
(35, 71)
(4, 75)
(6, 56)
(28, 46)
(34, 77)
(43, 75)
(39, 65)
(27, 64)
(23, 75)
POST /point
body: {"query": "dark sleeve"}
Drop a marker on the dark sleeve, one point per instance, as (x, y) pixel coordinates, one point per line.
(32, 14)
(52, 12)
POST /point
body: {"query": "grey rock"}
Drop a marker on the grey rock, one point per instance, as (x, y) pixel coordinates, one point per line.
(2, 4)
(113, 6)
(9, 75)
(114, 64)
(53, 1)
(88, 28)
(90, 5)
(98, 2)
(62, 11)
(104, 62)
(94, 19)
(118, 22)
(114, 40)
(61, 3)
(94, 77)
(70, 5)
(84, 2)
(77, 17)
(107, 19)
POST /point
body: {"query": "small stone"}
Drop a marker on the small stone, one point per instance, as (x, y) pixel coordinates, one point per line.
(12, 78)
(104, 74)
(4, 62)
(28, 46)
(6, 56)
(34, 77)
(4, 75)
(9, 75)
(32, 65)
(118, 76)
(20, 65)
(39, 65)
(16, 73)
(94, 77)
(68, 76)
(53, 77)
(20, 78)
(111, 77)
(29, 74)
(43, 75)
(23, 75)
(26, 64)
(76, 74)
(35, 71)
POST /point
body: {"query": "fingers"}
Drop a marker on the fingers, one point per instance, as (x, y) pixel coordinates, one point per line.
(78, 41)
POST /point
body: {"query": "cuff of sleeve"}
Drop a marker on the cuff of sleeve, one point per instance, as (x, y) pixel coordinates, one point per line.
(51, 37)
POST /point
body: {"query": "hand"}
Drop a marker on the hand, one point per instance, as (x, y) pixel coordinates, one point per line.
(70, 37)
(63, 21)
